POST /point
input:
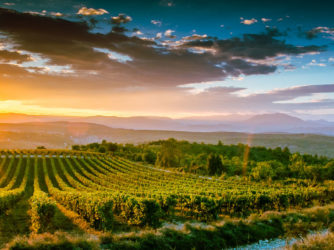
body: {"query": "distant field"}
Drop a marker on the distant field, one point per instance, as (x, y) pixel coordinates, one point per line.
(63, 135)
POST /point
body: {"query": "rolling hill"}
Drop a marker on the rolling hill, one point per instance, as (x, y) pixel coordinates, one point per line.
(65, 134)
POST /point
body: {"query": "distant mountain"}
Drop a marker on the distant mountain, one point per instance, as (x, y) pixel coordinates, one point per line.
(64, 134)
(274, 120)
(262, 123)
(20, 118)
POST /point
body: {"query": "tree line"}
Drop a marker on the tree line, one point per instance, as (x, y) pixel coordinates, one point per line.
(258, 163)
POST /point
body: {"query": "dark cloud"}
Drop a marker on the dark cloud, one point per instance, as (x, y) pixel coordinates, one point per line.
(7, 56)
(253, 46)
(197, 59)
(314, 33)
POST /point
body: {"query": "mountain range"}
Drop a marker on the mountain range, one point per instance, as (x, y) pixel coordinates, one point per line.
(18, 131)
(263, 123)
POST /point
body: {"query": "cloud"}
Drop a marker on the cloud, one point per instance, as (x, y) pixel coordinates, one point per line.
(138, 33)
(195, 37)
(57, 14)
(42, 13)
(167, 3)
(169, 33)
(9, 4)
(156, 22)
(253, 46)
(91, 12)
(265, 20)
(315, 63)
(121, 58)
(120, 19)
(248, 21)
(153, 65)
(326, 31)
(8, 56)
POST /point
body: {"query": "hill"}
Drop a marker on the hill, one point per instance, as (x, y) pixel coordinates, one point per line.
(65, 134)
(262, 123)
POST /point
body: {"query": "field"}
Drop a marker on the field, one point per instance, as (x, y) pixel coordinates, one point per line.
(80, 193)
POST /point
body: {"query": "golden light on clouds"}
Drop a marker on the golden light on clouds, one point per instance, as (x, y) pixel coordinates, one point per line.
(14, 106)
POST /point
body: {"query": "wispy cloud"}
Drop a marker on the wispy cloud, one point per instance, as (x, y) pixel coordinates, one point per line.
(265, 19)
(156, 22)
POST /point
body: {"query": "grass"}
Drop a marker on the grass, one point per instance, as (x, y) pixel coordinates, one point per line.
(315, 242)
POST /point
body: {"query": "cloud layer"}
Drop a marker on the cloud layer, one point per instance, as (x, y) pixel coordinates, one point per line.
(41, 54)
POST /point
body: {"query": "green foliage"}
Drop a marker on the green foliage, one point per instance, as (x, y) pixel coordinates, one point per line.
(235, 160)
(263, 171)
(95, 208)
(168, 156)
(42, 211)
(215, 165)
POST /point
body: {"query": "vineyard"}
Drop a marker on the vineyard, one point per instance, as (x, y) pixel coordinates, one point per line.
(111, 193)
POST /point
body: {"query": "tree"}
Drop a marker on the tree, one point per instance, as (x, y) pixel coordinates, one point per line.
(214, 165)
(262, 171)
(149, 156)
(297, 165)
(330, 170)
(102, 149)
(112, 147)
(169, 154)
(75, 147)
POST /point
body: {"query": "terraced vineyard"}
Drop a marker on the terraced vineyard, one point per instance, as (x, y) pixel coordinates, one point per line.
(50, 188)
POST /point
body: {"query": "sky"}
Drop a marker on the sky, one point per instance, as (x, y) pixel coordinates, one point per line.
(173, 58)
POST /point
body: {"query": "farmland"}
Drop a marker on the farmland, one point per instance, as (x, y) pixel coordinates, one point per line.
(66, 192)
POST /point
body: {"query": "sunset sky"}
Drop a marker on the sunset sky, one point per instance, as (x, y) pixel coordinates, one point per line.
(167, 58)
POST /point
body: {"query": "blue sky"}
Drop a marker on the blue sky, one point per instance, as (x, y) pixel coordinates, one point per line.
(167, 58)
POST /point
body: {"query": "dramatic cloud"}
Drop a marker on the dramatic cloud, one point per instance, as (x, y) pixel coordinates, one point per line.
(122, 68)
(91, 12)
